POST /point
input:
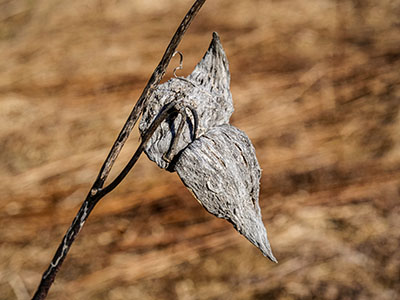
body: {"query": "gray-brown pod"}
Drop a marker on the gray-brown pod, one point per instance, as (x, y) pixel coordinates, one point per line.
(221, 170)
(206, 90)
(217, 162)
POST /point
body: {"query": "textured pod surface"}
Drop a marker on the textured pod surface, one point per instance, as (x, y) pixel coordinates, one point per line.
(206, 91)
(222, 171)
(217, 162)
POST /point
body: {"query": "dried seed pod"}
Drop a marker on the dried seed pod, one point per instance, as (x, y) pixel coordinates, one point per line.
(215, 160)
(222, 171)
(206, 91)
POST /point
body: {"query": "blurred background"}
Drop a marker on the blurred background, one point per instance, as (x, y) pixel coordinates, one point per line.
(316, 86)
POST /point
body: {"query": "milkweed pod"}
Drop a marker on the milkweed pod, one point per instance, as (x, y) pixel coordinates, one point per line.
(206, 91)
(221, 170)
(215, 160)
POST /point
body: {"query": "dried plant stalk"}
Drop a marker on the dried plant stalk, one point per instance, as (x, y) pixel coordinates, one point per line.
(98, 191)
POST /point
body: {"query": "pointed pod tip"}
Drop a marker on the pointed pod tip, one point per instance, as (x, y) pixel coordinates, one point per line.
(268, 253)
(216, 40)
(212, 72)
(215, 36)
(272, 258)
(265, 248)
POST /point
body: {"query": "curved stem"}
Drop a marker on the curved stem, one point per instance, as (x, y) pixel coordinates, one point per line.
(90, 202)
(147, 92)
(169, 109)
(96, 192)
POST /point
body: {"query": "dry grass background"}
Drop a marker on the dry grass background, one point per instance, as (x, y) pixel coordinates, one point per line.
(316, 86)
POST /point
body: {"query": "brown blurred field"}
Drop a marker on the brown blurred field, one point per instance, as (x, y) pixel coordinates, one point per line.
(316, 86)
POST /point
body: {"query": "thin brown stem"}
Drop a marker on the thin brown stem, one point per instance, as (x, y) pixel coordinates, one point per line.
(97, 191)
(144, 97)
(168, 111)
